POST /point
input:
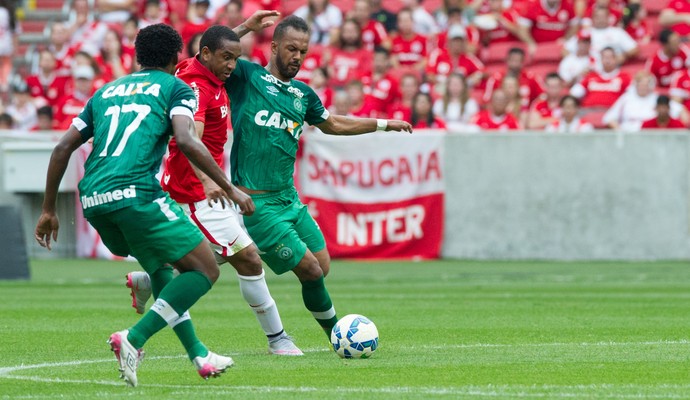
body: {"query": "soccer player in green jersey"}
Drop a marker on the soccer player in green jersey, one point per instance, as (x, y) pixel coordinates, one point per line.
(130, 121)
(269, 109)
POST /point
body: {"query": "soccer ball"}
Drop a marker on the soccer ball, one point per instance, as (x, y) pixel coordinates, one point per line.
(355, 336)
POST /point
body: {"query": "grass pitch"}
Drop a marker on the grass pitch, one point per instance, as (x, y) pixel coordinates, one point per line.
(448, 329)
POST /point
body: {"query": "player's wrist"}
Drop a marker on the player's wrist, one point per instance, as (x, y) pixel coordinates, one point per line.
(381, 124)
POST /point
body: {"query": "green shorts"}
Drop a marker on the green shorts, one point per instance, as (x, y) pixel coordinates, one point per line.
(154, 233)
(283, 230)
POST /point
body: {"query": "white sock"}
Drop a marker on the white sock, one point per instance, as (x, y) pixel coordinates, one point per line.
(255, 292)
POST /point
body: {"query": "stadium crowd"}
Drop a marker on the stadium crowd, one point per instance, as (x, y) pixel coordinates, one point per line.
(458, 65)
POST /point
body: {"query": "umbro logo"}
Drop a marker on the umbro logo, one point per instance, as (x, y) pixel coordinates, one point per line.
(272, 90)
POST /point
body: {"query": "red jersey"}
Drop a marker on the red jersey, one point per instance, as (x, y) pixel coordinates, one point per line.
(471, 36)
(50, 90)
(530, 88)
(680, 87)
(615, 14)
(401, 112)
(548, 25)
(603, 90)
(325, 95)
(640, 31)
(671, 124)
(189, 29)
(486, 121)
(383, 91)
(349, 65)
(500, 33)
(541, 105)
(409, 52)
(442, 63)
(683, 7)
(367, 109)
(437, 123)
(373, 34)
(311, 62)
(68, 108)
(179, 178)
(664, 67)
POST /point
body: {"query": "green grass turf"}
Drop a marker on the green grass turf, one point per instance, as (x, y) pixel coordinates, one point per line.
(448, 329)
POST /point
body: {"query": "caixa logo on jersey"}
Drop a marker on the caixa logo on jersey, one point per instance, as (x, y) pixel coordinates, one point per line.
(276, 120)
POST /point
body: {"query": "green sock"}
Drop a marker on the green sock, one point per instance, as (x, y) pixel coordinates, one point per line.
(317, 300)
(175, 298)
(185, 329)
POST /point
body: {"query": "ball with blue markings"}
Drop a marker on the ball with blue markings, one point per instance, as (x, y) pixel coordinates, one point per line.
(355, 336)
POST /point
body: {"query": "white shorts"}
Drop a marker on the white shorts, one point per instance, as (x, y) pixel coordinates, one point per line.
(221, 226)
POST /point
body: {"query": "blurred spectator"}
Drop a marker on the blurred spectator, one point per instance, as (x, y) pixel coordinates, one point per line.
(676, 16)
(341, 103)
(381, 84)
(164, 12)
(680, 88)
(496, 117)
(574, 66)
(545, 109)
(115, 11)
(45, 119)
(601, 88)
(361, 105)
(129, 33)
(409, 48)
(22, 109)
(672, 56)
(250, 51)
(312, 61)
(663, 119)
(47, 85)
(6, 121)
(373, 33)
(348, 59)
(455, 17)
(569, 122)
(197, 22)
(112, 59)
(153, 14)
(636, 105)
(402, 108)
(550, 20)
(517, 105)
(603, 35)
(75, 100)
(83, 58)
(613, 17)
(59, 46)
(229, 15)
(8, 41)
(319, 82)
(423, 114)
(193, 45)
(505, 26)
(530, 88)
(635, 24)
(456, 107)
(443, 14)
(86, 32)
(388, 19)
(424, 22)
(323, 18)
(455, 58)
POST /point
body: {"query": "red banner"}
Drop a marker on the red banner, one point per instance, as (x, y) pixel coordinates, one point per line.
(376, 196)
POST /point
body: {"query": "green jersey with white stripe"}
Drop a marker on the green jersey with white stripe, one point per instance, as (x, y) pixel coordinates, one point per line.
(130, 122)
(267, 120)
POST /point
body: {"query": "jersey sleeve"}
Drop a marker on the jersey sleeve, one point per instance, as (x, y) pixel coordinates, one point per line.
(182, 100)
(316, 112)
(203, 98)
(84, 121)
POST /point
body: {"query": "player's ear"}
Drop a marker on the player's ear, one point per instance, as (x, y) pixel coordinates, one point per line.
(274, 47)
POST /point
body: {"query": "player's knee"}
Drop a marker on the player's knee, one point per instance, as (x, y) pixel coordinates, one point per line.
(309, 269)
(247, 262)
(324, 260)
(212, 272)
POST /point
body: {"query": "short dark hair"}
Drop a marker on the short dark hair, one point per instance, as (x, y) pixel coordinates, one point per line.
(382, 50)
(157, 46)
(663, 100)
(293, 22)
(665, 35)
(516, 50)
(552, 75)
(214, 35)
(45, 110)
(569, 97)
(6, 118)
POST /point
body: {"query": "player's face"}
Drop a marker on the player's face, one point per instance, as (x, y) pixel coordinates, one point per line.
(290, 51)
(222, 61)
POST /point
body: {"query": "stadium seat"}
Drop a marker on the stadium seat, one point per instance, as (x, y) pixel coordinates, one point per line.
(654, 7)
(632, 67)
(496, 52)
(647, 51)
(548, 52)
(594, 117)
(542, 69)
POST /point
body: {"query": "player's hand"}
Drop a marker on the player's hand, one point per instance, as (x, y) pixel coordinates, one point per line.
(214, 194)
(398, 126)
(256, 21)
(46, 228)
(243, 201)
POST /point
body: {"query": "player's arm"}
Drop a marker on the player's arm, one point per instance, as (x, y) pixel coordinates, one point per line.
(213, 192)
(342, 125)
(48, 223)
(256, 22)
(189, 143)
